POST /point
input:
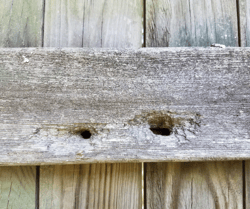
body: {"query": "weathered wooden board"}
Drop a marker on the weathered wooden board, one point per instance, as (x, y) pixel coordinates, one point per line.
(179, 23)
(97, 23)
(63, 23)
(116, 24)
(17, 187)
(247, 184)
(205, 185)
(21, 23)
(91, 186)
(244, 14)
(139, 105)
(191, 23)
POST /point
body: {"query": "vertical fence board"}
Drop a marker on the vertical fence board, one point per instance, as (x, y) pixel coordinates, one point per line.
(21, 23)
(247, 184)
(84, 23)
(97, 23)
(244, 14)
(113, 23)
(194, 185)
(63, 23)
(244, 20)
(91, 186)
(17, 187)
(177, 23)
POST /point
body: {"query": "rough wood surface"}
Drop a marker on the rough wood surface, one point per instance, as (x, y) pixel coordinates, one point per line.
(97, 23)
(179, 23)
(247, 184)
(91, 186)
(244, 14)
(21, 23)
(116, 24)
(126, 100)
(63, 23)
(17, 187)
(194, 185)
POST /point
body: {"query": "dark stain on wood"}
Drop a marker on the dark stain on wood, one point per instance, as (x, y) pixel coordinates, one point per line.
(73, 129)
(166, 123)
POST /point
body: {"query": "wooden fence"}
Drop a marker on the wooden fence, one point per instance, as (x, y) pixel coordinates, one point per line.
(123, 24)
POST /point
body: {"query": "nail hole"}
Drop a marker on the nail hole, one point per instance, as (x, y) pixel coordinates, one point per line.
(161, 131)
(86, 134)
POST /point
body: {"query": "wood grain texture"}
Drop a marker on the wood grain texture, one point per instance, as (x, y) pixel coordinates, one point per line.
(179, 23)
(247, 184)
(17, 187)
(193, 185)
(91, 186)
(63, 23)
(49, 96)
(98, 23)
(21, 23)
(244, 14)
(101, 23)
(205, 185)
(116, 24)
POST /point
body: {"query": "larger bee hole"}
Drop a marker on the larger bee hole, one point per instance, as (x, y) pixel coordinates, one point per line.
(161, 125)
(161, 131)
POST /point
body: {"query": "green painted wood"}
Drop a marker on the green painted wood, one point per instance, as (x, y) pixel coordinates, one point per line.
(21, 23)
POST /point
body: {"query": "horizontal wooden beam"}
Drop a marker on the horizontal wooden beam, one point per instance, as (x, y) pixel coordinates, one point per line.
(98, 105)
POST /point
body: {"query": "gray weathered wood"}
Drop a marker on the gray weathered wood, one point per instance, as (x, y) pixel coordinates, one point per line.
(244, 14)
(21, 23)
(116, 24)
(192, 185)
(17, 187)
(205, 185)
(63, 23)
(191, 23)
(91, 186)
(49, 96)
(97, 23)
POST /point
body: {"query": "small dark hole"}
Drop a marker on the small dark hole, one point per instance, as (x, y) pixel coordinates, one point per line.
(161, 131)
(86, 134)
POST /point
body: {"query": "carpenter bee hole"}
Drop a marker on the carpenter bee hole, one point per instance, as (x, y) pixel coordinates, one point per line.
(161, 131)
(85, 134)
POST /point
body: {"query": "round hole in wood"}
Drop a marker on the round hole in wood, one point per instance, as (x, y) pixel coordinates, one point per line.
(86, 134)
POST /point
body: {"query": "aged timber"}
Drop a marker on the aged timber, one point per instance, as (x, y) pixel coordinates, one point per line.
(100, 105)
